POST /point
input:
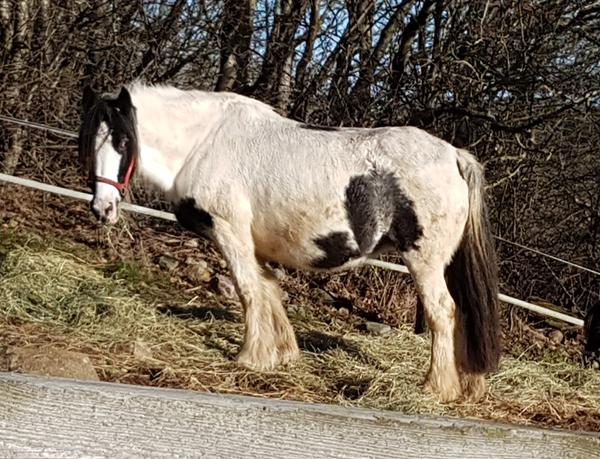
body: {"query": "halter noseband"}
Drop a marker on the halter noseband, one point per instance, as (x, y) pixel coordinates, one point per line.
(121, 186)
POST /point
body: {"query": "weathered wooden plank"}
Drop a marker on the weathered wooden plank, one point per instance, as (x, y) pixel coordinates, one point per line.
(67, 418)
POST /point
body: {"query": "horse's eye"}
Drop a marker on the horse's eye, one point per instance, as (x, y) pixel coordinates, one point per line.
(122, 144)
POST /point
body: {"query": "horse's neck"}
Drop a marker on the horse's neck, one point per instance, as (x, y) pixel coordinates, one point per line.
(169, 130)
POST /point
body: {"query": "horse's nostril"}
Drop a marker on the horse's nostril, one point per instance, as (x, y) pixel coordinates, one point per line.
(108, 209)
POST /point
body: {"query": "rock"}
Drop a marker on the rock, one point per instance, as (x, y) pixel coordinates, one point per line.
(324, 297)
(142, 351)
(222, 263)
(225, 286)
(377, 328)
(556, 336)
(49, 361)
(344, 313)
(591, 359)
(34, 298)
(191, 243)
(167, 262)
(200, 272)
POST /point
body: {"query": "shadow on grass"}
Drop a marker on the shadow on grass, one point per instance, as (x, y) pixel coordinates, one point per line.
(319, 342)
(198, 312)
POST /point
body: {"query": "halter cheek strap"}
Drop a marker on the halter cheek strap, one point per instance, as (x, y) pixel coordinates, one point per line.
(121, 186)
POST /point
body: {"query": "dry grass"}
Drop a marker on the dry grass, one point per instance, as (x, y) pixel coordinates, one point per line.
(67, 296)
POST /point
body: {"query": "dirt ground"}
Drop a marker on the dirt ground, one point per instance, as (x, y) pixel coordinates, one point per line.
(146, 303)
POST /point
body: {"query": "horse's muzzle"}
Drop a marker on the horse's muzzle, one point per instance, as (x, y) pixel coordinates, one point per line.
(106, 212)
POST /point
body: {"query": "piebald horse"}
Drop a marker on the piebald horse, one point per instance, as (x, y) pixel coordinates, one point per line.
(263, 188)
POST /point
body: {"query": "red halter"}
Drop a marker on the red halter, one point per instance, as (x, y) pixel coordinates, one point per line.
(121, 186)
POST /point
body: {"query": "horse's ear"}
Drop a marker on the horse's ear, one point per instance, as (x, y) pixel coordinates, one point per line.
(123, 100)
(89, 98)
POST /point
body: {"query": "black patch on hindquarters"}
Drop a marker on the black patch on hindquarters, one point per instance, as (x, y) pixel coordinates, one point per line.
(338, 251)
(193, 218)
(375, 203)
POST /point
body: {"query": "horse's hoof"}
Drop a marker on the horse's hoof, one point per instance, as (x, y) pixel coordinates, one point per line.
(445, 393)
(257, 361)
(474, 386)
(288, 353)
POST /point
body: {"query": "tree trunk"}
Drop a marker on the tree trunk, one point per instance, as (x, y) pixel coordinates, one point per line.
(366, 76)
(16, 69)
(236, 35)
(279, 50)
(359, 18)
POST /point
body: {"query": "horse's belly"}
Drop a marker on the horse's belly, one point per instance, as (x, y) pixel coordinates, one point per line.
(284, 244)
(305, 239)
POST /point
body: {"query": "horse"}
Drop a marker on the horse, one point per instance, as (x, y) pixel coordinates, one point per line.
(264, 188)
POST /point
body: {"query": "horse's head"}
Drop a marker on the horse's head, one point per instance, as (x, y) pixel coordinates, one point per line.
(108, 149)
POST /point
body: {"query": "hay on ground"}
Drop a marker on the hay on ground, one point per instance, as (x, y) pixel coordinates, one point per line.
(68, 298)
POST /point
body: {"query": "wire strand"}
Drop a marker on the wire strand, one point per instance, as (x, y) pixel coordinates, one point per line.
(42, 127)
(570, 263)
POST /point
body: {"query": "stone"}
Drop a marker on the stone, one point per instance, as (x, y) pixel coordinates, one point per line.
(344, 313)
(324, 297)
(167, 262)
(225, 286)
(556, 336)
(200, 272)
(377, 329)
(50, 361)
(142, 351)
(191, 243)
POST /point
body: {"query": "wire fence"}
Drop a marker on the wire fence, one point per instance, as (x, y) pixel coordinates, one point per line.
(171, 217)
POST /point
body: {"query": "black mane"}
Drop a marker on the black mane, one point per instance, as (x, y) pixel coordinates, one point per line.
(119, 114)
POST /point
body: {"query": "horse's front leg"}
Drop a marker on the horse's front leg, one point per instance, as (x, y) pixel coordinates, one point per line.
(234, 240)
(285, 339)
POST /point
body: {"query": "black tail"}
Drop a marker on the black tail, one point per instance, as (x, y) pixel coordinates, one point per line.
(592, 329)
(472, 276)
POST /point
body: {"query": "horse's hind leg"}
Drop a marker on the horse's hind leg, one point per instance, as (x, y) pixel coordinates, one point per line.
(440, 312)
(259, 350)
